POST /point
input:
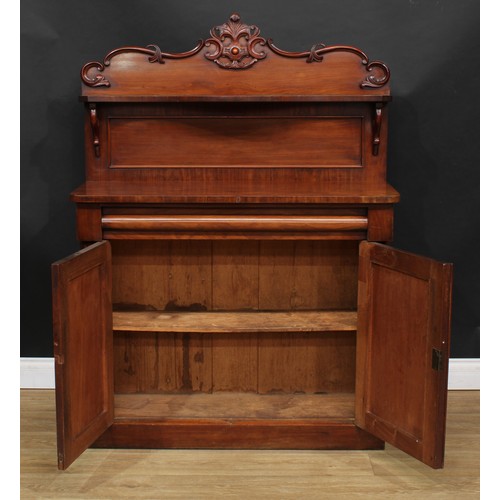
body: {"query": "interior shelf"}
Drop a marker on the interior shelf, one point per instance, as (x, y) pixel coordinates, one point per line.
(235, 321)
(239, 405)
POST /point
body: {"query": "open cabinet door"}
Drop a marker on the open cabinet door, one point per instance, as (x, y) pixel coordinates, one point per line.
(81, 287)
(404, 304)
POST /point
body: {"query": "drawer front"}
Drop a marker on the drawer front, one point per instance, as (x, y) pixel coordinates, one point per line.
(233, 226)
(95, 222)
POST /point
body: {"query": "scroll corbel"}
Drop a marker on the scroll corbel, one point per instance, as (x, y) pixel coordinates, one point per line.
(94, 125)
(377, 125)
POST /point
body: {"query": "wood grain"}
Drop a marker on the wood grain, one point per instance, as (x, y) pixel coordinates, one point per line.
(82, 349)
(235, 362)
(151, 142)
(260, 362)
(311, 363)
(228, 223)
(190, 276)
(145, 363)
(88, 222)
(161, 275)
(380, 224)
(235, 322)
(238, 405)
(308, 275)
(140, 274)
(175, 353)
(276, 173)
(275, 78)
(296, 434)
(227, 188)
(234, 275)
(306, 161)
(404, 310)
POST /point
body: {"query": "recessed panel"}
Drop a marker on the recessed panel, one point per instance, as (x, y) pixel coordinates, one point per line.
(235, 142)
(398, 371)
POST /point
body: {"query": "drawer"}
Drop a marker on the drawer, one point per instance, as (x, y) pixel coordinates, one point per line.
(96, 222)
(232, 226)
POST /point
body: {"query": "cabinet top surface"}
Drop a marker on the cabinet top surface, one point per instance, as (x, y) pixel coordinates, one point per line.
(232, 193)
(235, 63)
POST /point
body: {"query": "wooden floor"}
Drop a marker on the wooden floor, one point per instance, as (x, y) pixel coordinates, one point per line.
(208, 474)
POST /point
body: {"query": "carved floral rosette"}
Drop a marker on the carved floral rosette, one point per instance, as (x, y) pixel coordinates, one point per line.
(235, 44)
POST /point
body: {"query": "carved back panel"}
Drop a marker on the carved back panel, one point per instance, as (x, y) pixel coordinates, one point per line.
(236, 107)
(333, 72)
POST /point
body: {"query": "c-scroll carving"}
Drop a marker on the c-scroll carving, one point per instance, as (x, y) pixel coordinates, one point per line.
(316, 55)
(373, 81)
(153, 51)
(94, 81)
(236, 45)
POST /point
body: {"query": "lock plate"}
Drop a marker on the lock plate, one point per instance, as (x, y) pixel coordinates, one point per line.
(437, 359)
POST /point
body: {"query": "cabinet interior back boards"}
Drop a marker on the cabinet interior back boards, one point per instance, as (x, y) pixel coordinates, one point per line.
(233, 289)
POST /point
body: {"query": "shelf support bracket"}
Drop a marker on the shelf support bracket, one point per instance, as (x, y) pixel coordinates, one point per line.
(94, 124)
(377, 125)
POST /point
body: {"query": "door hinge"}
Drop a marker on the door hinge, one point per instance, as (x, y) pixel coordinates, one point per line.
(437, 359)
(59, 359)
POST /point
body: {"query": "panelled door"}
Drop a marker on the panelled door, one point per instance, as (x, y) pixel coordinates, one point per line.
(82, 349)
(404, 304)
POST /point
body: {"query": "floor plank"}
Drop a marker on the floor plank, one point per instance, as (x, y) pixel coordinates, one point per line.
(207, 474)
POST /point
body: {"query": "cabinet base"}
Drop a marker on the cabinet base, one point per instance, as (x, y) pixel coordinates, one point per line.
(238, 434)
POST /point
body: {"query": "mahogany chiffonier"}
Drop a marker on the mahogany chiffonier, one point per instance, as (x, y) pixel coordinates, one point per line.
(234, 288)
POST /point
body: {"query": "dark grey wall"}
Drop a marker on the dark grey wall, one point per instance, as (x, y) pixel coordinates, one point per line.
(431, 46)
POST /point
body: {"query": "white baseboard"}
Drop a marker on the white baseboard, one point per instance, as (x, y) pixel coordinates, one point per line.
(463, 374)
(38, 373)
